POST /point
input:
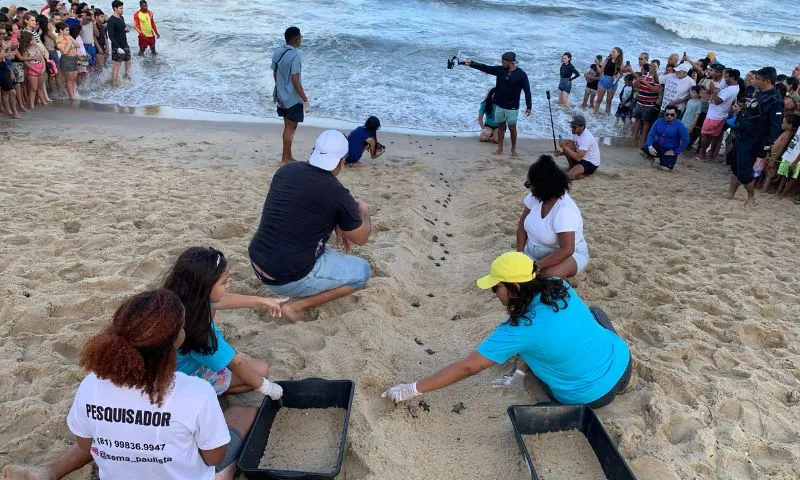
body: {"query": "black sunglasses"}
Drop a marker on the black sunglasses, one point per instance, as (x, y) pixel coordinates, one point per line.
(670, 114)
(527, 184)
(495, 288)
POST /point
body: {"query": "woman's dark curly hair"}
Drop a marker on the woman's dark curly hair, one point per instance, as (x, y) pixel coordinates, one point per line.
(138, 349)
(553, 292)
(488, 103)
(191, 279)
(546, 180)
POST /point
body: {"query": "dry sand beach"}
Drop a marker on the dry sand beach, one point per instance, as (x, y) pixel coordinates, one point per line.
(96, 206)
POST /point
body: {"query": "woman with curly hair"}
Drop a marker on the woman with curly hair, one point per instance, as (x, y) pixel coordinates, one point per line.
(572, 349)
(134, 414)
(550, 229)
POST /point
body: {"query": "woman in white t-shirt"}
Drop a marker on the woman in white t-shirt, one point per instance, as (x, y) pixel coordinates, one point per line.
(550, 229)
(133, 413)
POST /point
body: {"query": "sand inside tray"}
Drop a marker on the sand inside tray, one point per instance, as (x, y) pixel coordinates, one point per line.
(563, 455)
(305, 440)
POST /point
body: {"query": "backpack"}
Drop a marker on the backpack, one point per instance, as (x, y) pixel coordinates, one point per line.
(275, 89)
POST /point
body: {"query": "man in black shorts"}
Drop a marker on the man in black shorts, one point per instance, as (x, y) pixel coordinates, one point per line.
(582, 152)
(118, 34)
(289, 94)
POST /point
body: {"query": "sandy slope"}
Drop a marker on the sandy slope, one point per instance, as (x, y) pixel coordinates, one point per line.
(706, 293)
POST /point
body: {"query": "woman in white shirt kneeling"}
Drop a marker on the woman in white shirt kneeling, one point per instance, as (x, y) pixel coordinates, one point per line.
(133, 413)
(550, 230)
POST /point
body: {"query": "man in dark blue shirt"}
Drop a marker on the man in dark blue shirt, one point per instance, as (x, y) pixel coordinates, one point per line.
(511, 81)
(758, 124)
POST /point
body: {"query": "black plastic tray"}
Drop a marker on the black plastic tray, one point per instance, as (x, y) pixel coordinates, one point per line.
(309, 393)
(543, 418)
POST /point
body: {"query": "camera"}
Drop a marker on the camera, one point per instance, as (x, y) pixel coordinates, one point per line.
(452, 62)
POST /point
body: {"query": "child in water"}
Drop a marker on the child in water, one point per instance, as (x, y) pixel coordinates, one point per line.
(364, 138)
(625, 100)
(592, 77)
(200, 278)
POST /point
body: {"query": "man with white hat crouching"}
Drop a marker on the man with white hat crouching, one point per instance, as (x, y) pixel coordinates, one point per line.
(304, 205)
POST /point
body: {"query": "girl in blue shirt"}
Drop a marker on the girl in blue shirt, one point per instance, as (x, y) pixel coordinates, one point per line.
(199, 278)
(364, 138)
(578, 359)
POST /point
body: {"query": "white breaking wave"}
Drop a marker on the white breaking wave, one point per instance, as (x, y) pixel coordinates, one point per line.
(726, 35)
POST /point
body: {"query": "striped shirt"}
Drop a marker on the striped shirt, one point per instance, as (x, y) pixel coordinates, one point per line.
(648, 96)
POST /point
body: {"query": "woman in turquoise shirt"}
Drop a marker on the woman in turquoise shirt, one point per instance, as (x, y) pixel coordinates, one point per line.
(578, 359)
(486, 119)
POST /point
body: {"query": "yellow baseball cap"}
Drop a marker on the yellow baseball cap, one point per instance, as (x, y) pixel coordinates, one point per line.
(510, 267)
(712, 56)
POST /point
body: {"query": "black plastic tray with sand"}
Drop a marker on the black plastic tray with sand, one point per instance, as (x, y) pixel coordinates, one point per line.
(544, 418)
(299, 394)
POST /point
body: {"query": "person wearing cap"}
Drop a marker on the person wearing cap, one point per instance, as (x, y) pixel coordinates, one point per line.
(572, 349)
(758, 124)
(304, 205)
(511, 81)
(666, 139)
(677, 88)
(582, 152)
(719, 106)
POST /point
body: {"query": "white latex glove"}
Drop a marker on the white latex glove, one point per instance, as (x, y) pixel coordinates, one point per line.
(402, 392)
(652, 151)
(121, 51)
(517, 380)
(270, 389)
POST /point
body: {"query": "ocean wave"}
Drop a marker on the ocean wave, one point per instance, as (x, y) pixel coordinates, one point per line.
(727, 35)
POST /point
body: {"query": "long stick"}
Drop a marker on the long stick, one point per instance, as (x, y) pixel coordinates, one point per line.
(552, 127)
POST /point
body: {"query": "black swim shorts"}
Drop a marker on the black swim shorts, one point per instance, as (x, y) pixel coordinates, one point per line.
(294, 113)
(588, 167)
(121, 57)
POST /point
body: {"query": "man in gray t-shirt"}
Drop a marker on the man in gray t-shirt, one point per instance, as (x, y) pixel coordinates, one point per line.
(289, 94)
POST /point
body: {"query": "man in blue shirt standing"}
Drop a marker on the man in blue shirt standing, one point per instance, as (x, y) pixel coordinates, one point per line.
(289, 95)
(667, 139)
(511, 81)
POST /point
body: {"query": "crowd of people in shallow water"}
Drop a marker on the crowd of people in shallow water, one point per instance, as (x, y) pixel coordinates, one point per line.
(148, 407)
(54, 50)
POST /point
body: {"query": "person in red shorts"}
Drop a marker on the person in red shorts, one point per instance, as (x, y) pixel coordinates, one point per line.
(145, 24)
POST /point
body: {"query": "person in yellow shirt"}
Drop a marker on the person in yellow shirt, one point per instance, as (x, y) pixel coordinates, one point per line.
(145, 24)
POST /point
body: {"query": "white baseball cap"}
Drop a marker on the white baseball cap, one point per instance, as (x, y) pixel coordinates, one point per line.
(331, 146)
(683, 67)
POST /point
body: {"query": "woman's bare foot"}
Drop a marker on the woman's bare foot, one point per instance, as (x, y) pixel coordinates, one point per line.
(514, 152)
(499, 151)
(729, 196)
(25, 472)
(291, 311)
(750, 202)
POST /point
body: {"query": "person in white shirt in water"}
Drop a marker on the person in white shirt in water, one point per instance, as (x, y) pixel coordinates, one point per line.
(582, 152)
(135, 415)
